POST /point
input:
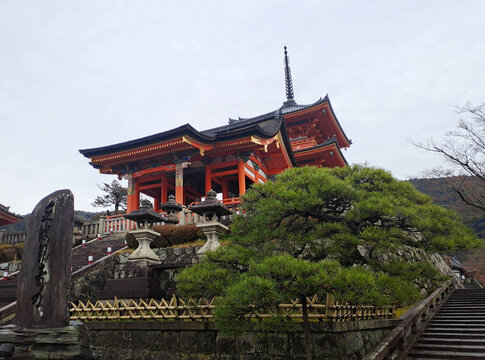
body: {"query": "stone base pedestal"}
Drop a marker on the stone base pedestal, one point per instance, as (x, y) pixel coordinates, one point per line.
(134, 280)
(132, 288)
(212, 231)
(69, 343)
(143, 254)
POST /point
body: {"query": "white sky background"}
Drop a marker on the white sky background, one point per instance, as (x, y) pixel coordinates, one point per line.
(83, 74)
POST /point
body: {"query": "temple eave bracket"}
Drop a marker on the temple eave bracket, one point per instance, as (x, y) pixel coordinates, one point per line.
(202, 147)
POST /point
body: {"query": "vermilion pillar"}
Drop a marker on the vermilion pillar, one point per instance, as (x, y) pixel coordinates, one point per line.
(136, 200)
(131, 194)
(179, 183)
(156, 203)
(208, 179)
(241, 177)
(225, 189)
(164, 197)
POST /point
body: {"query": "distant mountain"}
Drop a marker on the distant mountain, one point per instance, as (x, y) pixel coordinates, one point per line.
(444, 196)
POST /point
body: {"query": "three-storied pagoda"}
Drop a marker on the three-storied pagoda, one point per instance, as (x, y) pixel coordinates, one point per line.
(228, 158)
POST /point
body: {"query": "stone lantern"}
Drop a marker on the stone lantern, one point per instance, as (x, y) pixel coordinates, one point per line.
(172, 209)
(211, 211)
(144, 234)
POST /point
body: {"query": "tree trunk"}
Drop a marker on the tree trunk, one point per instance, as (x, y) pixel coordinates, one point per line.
(306, 329)
(116, 208)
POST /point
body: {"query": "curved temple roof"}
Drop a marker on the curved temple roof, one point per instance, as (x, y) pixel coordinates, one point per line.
(263, 126)
(291, 107)
(8, 217)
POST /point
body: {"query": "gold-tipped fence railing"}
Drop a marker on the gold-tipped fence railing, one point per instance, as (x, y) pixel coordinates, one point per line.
(203, 309)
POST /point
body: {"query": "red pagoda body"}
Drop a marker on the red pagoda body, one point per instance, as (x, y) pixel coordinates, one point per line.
(227, 159)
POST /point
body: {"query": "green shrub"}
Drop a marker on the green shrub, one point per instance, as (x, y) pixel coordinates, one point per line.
(9, 252)
(170, 235)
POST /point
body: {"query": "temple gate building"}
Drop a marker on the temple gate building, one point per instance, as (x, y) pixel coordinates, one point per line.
(228, 158)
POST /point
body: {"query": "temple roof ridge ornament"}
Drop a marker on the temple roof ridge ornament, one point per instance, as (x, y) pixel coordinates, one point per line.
(290, 96)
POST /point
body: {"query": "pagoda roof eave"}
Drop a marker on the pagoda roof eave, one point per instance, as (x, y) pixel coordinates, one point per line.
(186, 129)
(264, 128)
(289, 108)
(7, 217)
(331, 142)
(286, 140)
(338, 123)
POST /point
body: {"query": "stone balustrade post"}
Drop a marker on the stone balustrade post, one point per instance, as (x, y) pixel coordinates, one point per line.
(101, 225)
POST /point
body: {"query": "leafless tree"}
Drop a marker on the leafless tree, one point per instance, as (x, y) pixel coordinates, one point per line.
(464, 152)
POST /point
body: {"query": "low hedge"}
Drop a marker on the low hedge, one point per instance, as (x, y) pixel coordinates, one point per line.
(170, 235)
(11, 252)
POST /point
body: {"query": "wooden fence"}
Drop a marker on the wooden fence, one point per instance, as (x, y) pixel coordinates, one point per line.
(203, 309)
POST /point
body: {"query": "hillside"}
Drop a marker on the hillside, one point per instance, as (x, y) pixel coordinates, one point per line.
(442, 195)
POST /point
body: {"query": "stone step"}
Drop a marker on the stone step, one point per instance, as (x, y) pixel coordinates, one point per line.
(450, 347)
(468, 320)
(452, 340)
(458, 316)
(460, 335)
(470, 330)
(452, 325)
(450, 355)
(465, 301)
(456, 307)
(476, 309)
(462, 311)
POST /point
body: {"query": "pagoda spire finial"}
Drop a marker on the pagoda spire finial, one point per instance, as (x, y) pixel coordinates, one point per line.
(288, 81)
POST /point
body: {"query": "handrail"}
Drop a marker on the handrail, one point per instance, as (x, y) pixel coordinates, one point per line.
(11, 308)
(88, 268)
(402, 338)
(232, 201)
(8, 310)
(116, 216)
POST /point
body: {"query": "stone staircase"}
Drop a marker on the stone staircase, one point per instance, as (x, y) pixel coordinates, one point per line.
(97, 249)
(457, 331)
(8, 291)
(79, 260)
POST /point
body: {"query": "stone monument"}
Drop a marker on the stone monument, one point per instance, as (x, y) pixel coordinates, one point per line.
(211, 211)
(46, 263)
(42, 330)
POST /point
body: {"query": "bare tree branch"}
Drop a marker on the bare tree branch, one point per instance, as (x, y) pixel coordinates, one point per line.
(464, 152)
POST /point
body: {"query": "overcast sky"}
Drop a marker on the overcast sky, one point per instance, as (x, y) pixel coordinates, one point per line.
(83, 74)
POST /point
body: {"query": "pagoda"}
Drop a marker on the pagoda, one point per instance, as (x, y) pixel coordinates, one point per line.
(227, 159)
(7, 217)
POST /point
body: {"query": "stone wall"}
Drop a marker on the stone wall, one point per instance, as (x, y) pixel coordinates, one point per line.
(171, 255)
(408, 254)
(199, 340)
(90, 284)
(178, 255)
